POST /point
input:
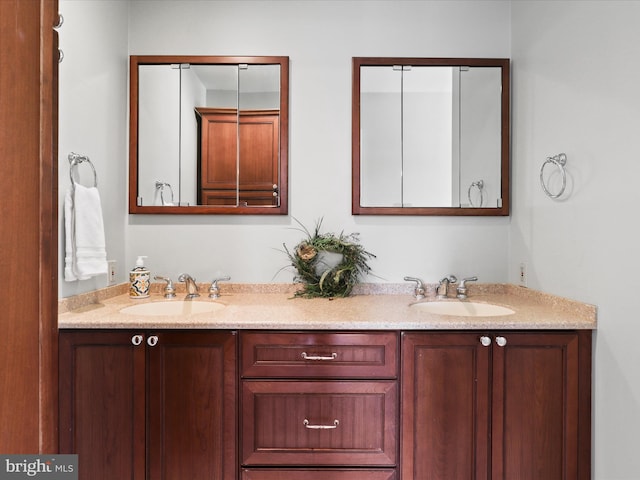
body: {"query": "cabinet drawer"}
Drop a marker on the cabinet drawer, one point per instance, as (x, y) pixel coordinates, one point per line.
(332, 355)
(345, 423)
(318, 474)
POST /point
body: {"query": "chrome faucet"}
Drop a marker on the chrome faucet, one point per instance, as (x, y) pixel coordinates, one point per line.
(169, 290)
(192, 288)
(419, 290)
(214, 290)
(462, 288)
(442, 290)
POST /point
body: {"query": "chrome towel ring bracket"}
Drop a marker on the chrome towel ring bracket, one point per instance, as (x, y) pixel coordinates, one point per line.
(560, 162)
(76, 159)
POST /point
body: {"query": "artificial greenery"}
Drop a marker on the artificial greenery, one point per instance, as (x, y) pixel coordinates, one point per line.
(332, 282)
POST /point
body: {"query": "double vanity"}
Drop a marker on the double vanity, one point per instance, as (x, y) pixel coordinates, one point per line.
(257, 385)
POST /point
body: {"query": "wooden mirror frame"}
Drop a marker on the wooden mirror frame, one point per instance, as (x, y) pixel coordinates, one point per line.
(503, 63)
(135, 61)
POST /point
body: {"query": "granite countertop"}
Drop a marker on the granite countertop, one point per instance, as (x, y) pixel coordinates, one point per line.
(373, 307)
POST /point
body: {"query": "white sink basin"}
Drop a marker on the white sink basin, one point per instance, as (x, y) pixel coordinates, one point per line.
(172, 308)
(463, 309)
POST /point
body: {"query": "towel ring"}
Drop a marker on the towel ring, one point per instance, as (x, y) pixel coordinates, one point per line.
(480, 186)
(559, 161)
(76, 159)
(160, 186)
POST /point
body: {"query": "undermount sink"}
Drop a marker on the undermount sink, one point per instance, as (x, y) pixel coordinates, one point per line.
(463, 309)
(172, 308)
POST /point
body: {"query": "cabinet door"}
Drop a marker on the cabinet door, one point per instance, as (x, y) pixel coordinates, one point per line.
(259, 154)
(192, 406)
(445, 406)
(536, 406)
(102, 403)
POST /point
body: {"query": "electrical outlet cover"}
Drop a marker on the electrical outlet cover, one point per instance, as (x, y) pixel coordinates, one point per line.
(522, 275)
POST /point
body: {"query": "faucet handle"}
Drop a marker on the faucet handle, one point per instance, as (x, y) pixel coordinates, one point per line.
(463, 282)
(214, 290)
(169, 290)
(419, 290)
(462, 288)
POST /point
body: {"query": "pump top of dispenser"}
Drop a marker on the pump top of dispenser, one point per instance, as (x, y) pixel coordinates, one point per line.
(140, 262)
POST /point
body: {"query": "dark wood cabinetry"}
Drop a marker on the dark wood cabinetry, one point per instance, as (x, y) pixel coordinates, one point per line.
(319, 399)
(28, 142)
(149, 405)
(496, 406)
(318, 474)
(460, 405)
(247, 176)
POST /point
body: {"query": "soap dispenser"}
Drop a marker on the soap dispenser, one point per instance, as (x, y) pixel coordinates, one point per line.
(140, 280)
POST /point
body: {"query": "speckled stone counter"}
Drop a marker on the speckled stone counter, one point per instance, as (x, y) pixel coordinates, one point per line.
(372, 307)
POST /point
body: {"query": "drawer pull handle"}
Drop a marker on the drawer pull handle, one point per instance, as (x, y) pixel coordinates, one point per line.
(136, 340)
(333, 356)
(321, 427)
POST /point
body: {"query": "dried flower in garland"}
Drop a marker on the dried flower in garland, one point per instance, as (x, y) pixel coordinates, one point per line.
(328, 265)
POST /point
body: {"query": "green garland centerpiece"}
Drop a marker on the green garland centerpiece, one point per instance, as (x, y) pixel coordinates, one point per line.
(328, 265)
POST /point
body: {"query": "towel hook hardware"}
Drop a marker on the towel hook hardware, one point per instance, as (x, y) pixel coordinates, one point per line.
(480, 186)
(58, 25)
(560, 162)
(76, 159)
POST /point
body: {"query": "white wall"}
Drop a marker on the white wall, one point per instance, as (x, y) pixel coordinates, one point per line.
(320, 37)
(93, 116)
(576, 89)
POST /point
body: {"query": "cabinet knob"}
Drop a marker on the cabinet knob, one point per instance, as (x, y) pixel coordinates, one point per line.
(136, 340)
(152, 341)
(501, 341)
(485, 341)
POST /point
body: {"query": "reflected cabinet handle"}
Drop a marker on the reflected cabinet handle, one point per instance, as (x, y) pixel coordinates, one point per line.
(485, 341)
(152, 341)
(501, 341)
(333, 356)
(136, 340)
(320, 427)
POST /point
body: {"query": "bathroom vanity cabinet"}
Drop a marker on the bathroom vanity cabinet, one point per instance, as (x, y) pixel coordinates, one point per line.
(319, 399)
(496, 406)
(327, 405)
(149, 405)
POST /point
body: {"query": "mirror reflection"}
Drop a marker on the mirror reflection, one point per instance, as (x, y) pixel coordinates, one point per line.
(210, 136)
(430, 136)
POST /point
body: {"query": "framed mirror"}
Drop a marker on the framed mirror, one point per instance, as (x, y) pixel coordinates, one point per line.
(430, 136)
(209, 135)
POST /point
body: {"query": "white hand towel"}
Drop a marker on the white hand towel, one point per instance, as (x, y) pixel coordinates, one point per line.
(85, 255)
